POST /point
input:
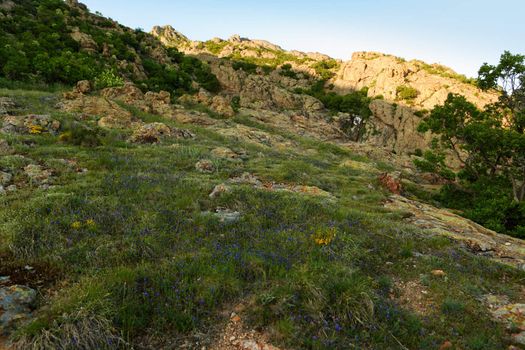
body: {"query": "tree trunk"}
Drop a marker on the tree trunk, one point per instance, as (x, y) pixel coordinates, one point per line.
(518, 189)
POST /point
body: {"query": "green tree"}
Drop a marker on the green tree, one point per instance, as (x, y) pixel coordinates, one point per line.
(489, 144)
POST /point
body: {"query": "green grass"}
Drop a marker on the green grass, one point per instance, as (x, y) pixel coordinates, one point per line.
(132, 252)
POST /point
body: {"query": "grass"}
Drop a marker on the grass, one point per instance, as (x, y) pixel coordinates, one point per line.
(132, 252)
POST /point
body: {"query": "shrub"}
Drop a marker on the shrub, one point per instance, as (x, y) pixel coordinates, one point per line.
(287, 71)
(79, 135)
(406, 93)
(236, 103)
(108, 78)
(250, 68)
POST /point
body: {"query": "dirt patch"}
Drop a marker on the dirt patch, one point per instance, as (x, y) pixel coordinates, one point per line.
(3, 344)
(413, 296)
(236, 336)
(36, 275)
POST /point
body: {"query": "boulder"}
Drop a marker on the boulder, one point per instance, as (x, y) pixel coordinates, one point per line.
(218, 190)
(30, 124)
(7, 106)
(129, 94)
(5, 149)
(205, 166)
(222, 106)
(224, 152)
(37, 174)
(5, 178)
(159, 103)
(391, 182)
(111, 114)
(83, 87)
(150, 133)
(15, 307)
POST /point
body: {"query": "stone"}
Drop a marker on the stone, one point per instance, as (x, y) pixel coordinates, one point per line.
(224, 152)
(111, 115)
(30, 124)
(311, 190)
(150, 133)
(391, 182)
(222, 106)
(438, 273)
(37, 174)
(7, 106)
(129, 94)
(227, 216)
(519, 338)
(5, 178)
(218, 190)
(83, 86)
(5, 149)
(205, 166)
(159, 103)
(246, 179)
(86, 42)
(15, 307)
(446, 345)
(182, 133)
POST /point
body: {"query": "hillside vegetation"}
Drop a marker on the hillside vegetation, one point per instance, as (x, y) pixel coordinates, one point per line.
(164, 200)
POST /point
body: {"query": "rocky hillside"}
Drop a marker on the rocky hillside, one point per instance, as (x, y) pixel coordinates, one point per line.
(400, 90)
(161, 213)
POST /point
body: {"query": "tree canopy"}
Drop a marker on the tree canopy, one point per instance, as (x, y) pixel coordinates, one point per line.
(490, 142)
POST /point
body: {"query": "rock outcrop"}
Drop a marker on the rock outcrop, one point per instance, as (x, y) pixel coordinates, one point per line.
(394, 127)
(406, 87)
(383, 75)
(476, 238)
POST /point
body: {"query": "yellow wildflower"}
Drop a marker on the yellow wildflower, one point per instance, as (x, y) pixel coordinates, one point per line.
(90, 222)
(324, 236)
(35, 129)
(76, 225)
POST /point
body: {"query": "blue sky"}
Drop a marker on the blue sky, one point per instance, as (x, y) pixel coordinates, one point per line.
(461, 34)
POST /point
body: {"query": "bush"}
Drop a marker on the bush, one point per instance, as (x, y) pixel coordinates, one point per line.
(108, 78)
(250, 68)
(79, 135)
(236, 103)
(406, 93)
(287, 71)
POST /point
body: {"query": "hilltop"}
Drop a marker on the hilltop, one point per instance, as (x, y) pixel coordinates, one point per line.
(230, 195)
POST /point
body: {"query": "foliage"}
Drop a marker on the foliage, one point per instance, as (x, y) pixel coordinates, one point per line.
(215, 47)
(36, 44)
(248, 67)
(236, 103)
(108, 78)
(80, 135)
(325, 68)
(445, 72)
(406, 93)
(489, 143)
(433, 161)
(287, 71)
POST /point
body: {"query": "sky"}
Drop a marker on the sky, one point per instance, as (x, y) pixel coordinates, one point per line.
(461, 34)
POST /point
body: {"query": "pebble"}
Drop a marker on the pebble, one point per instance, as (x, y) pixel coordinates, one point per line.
(438, 273)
